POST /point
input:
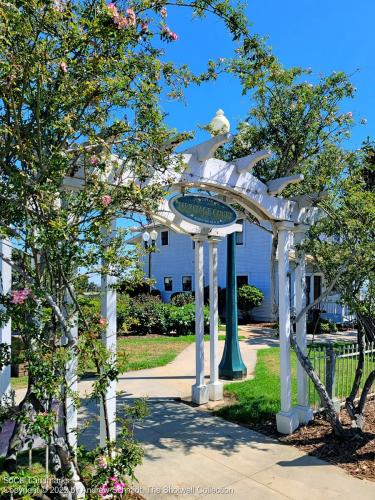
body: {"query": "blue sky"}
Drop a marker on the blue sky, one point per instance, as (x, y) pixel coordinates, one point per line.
(322, 34)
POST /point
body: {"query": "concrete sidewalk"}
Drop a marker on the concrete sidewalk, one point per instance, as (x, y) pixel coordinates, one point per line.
(176, 378)
(190, 454)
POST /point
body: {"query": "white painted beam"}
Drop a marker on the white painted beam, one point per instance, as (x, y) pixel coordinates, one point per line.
(215, 387)
(286, 419)
(206, 150)
(199, 389)
(5, 329)
(109, 338)
(304, 412)
(71, 412)
(276, 186)
(246, 163)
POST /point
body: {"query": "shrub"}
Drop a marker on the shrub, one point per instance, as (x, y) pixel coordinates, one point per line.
(181, 320)
(17, 350)
(323, 326)
(148, 315)
(248, 297)
(182, 298)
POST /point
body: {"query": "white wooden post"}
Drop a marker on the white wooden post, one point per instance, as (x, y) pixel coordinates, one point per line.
(215, 388)
(199, 389)
(71, 381)
(109, 313)
(6, 329)
(305, 413)
(287, 418)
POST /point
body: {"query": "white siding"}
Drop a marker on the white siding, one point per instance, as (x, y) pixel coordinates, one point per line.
(253, 259)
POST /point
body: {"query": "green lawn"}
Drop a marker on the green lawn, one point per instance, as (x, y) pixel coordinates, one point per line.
(139, 353)
(258, 399)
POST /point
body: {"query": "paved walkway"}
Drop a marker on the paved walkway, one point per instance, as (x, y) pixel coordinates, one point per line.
(191, 454)
(175, 379)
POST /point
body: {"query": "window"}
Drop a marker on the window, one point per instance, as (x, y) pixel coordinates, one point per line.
(186, 283)
(239, 235)
(317, 286)
(167, 283)
(164, 235)
(242, 280)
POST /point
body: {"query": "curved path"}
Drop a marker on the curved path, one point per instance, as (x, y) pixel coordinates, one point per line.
(191, 454)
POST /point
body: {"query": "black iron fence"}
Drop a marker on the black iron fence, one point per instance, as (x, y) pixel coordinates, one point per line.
(336, 365)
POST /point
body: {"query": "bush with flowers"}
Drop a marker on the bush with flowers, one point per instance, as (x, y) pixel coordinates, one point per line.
(81, 84)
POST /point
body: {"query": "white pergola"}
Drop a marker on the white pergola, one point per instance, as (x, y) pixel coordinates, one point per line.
(237, 185)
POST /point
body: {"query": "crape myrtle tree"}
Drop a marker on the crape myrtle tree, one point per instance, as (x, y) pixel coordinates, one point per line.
(304, 126)
(82, 80)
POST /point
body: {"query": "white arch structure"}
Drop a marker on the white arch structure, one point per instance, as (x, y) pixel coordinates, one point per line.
(235, 182)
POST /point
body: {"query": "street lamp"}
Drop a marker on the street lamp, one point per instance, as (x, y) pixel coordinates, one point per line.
(146, 236)
(231, 366)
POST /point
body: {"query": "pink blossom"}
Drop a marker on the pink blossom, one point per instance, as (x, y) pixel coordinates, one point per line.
(64, 66)
(169, 34)
(103, 490)
(102, 462)
(221, 59)
(106, 200)
(349, 114)
(102, 321)
(94, 160)
(113, 478)
(144, 26)
(19, 296)
(164, 12)
(112, 9)
(131, 16)
(120, 21)
(118, 487)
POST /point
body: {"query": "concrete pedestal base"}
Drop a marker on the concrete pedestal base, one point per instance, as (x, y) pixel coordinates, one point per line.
(215, 391)
(199, 394)
(305, 414)
(287, 421)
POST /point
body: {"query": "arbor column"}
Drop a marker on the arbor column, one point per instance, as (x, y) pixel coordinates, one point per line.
(215, 388)
(305, 413)
(231, 365)
(5, 329)
(109, 313)
(199, 389)
(71, 412)
(287, 418)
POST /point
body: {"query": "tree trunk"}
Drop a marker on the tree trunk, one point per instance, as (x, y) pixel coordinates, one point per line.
(30, 406)
(349, 403)
(327, 402)
(64, 467)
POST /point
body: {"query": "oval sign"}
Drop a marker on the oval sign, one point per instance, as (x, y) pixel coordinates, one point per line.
(203, 210)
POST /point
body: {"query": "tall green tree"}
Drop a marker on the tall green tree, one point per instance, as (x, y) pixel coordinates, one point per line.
(304, 126)
(81, 84)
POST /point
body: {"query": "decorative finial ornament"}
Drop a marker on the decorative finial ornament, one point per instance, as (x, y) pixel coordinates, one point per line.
(219, 123)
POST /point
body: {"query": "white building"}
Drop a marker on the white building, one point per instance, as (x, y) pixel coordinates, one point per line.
(172, 268)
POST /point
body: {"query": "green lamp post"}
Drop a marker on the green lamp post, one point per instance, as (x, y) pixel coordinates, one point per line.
(231, 366)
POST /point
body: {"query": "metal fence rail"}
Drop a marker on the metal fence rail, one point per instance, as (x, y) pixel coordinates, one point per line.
(336, 366)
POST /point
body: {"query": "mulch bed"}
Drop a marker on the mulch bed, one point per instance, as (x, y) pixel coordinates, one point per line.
(356, 456)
